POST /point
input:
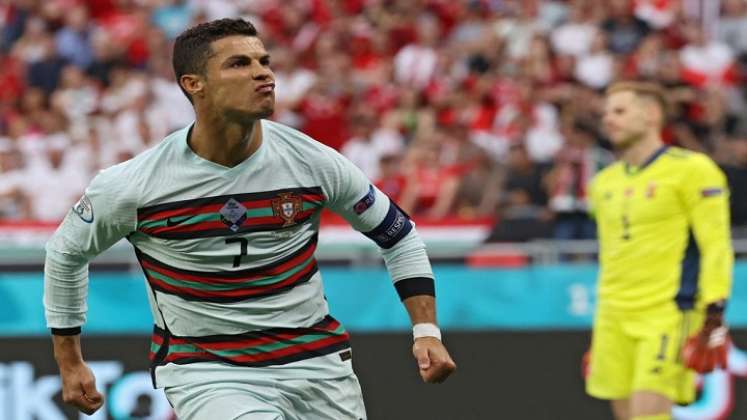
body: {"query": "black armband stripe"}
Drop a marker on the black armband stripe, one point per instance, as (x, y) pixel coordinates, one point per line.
(66, 331)
(415, 286)
(395, 226)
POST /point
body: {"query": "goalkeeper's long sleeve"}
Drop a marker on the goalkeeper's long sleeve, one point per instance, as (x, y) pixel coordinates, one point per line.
(707, 199)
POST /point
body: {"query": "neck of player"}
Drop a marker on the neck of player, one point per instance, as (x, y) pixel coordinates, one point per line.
(226, 144)
(640, 151)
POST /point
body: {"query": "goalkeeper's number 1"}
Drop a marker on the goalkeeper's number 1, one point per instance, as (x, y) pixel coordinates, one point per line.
(625, 227)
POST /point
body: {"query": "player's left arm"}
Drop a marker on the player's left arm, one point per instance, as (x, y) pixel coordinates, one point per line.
(706, 197)
(371, 212)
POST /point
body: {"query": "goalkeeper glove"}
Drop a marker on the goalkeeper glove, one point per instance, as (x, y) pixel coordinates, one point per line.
(709, 348)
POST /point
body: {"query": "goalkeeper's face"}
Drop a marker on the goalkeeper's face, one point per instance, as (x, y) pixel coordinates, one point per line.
(239, 84)
(626, 119)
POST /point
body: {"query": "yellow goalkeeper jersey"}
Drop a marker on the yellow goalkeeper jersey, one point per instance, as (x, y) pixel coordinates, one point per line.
(663, 232)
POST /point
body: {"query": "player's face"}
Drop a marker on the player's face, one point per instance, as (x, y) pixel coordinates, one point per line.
(238, 80)
(624, 119)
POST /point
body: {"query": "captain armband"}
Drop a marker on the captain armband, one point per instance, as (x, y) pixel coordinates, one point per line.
(395, 226)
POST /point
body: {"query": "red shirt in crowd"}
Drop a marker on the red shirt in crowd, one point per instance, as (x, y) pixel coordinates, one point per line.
(325, 119)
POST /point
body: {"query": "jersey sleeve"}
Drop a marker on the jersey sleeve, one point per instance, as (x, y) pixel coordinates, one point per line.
(370, 211)
(103, 216)
(706, 199)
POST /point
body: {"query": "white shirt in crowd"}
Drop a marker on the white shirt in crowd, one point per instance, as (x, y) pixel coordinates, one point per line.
(366, 154)
(414, 65)
(711, 59)
(573, 38)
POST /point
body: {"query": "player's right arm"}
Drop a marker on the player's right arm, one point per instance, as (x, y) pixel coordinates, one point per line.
(101, 217)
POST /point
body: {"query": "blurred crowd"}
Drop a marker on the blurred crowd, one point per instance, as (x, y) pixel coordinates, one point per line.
(456, 108)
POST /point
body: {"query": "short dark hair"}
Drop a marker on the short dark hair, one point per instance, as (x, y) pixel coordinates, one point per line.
(192, 47)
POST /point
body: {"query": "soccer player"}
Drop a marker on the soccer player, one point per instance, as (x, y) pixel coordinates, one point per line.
(665, 261)
(223, 216)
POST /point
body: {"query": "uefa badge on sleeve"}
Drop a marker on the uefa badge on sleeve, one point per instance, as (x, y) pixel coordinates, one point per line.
(84, 209)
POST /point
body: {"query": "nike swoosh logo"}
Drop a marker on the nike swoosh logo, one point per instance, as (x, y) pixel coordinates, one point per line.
(173, 222)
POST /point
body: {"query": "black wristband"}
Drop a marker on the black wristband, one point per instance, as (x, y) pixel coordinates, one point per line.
(66, 331)
(415, 286)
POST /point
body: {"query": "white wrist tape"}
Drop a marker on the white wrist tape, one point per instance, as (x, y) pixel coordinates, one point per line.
(425, 329)
(718, 337)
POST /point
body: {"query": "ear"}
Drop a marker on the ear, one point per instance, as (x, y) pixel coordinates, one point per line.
(652, 112)
(193, 84)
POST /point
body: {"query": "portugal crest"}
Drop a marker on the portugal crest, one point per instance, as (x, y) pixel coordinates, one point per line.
(287, 206)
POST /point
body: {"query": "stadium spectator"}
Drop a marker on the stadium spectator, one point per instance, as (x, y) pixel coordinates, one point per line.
(415, 64)
(45, 72)
(77, 96)
(31, 46)
(506, 72)
(14, 203)
(576, 35)
(518, 26)
(50, 196)
(575, 165)
(735, 169)
(706, 61)
(732, 27)
(369, 143)
(479, 188)
(524, 213)
(73, 40)
(647, 59)
(658, 14)
(624, 30)
(391, 180)
(293, 82)
(431, 186)
(597, 68)
(524, 189)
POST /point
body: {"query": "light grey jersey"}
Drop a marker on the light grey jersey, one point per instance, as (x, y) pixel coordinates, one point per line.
(228, 253)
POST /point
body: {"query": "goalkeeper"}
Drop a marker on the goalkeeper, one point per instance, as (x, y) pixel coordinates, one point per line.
(665, 263)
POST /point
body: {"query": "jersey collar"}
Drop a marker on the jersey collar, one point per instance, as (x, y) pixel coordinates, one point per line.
(632, 170)
(218, 168)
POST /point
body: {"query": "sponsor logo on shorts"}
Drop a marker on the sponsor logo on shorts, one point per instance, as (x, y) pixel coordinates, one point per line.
(346, 355)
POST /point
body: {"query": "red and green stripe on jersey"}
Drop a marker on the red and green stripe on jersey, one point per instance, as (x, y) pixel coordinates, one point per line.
(275, 346)
(232, 286)
(230, 214)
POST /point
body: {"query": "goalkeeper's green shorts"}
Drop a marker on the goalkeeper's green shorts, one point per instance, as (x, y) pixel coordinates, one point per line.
(641, 351)
(263, 399)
